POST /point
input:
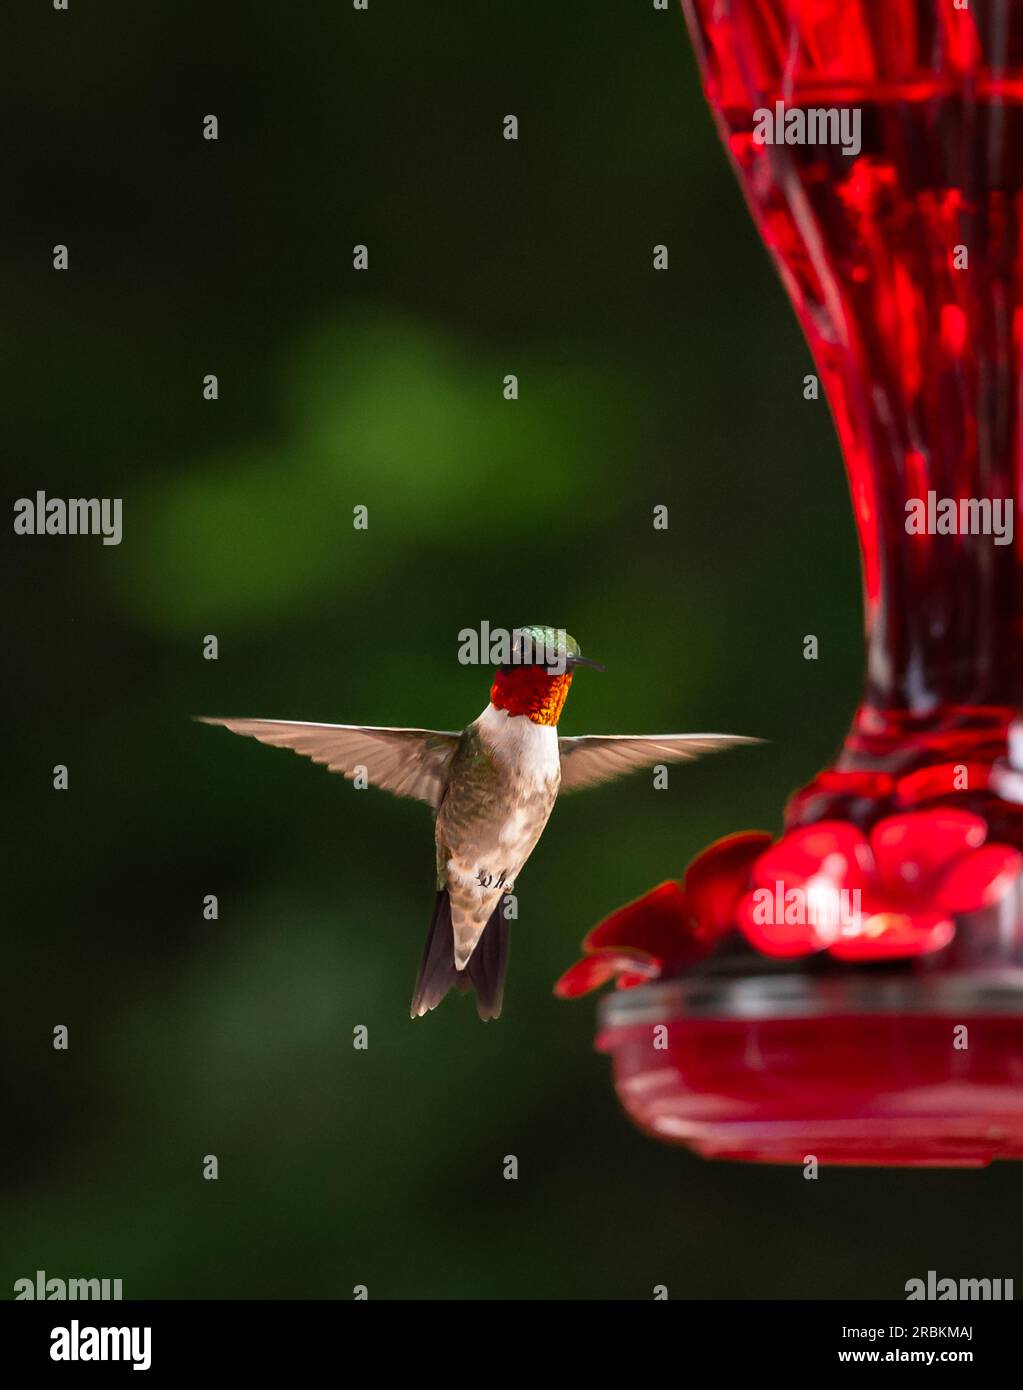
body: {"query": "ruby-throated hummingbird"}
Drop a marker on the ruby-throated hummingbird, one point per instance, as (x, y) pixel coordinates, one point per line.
(492, 788)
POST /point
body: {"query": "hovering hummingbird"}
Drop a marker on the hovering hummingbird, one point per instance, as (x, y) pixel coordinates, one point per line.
(492, 788)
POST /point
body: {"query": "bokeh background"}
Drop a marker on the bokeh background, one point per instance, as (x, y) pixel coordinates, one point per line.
(384, 388)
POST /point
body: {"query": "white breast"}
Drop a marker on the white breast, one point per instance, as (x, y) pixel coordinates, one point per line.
(528, 751)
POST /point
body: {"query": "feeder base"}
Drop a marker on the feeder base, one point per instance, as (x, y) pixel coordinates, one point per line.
(914, 1072)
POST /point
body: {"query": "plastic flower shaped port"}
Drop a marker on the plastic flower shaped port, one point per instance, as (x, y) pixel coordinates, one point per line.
(890, 894)
(673, 926)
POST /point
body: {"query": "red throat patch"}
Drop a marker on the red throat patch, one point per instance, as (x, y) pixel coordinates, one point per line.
(531, 691)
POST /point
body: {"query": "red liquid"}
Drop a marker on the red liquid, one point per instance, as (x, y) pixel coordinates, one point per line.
(920, 360)
(876, 1090)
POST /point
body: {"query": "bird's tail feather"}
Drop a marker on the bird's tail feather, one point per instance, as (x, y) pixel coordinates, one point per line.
(485, 970)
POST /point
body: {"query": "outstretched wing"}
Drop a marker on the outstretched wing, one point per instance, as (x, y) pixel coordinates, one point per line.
(408, 762)
(596, 758)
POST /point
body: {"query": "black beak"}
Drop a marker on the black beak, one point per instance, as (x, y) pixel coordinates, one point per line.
(583, 661)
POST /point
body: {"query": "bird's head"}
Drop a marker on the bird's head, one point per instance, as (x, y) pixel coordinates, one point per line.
(535, 681)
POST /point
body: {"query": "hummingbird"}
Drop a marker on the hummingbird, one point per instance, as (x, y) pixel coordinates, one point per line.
(492, 787)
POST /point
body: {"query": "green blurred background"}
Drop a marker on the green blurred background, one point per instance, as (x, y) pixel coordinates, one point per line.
(384, 388)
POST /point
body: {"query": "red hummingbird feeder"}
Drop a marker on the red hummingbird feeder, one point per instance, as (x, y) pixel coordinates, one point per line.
(854, 991)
